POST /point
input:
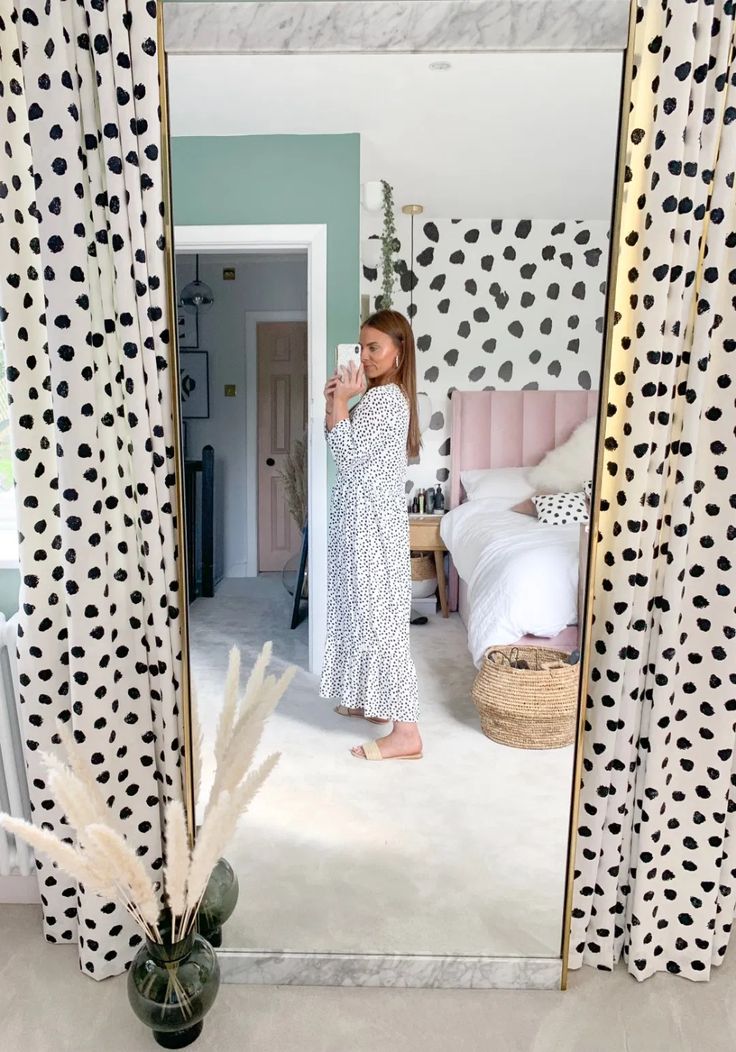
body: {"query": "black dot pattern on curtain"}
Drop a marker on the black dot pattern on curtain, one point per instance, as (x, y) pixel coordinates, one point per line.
(655, 873)
(84, 320)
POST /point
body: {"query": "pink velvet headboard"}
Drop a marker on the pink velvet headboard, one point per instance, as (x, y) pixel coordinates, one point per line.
(506, 429)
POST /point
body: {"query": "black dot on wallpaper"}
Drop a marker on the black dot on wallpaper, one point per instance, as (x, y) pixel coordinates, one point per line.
(554, 368)
(496, 226)
(463, 329)
(424, 342)
(546, 326)
(573, 345)
(451, 357)
(408, 281)
(400, 266)
(535, 356)
(573, 321)
(443, 306)
(458, 257)
(489, 346)
(602, 287)
(471, 236)
(528, 270)
(432, 374)
(516, 329)
(593, 257)
(578, 290)
(501, 298)
(489, 387)
(599, 324)
(370, 273)
(527, 298)
(486, 263)
(438, 282)
(471, 287)
(506, 371)
(442, 475)
(523, 228)
(431, 232)
(509, 252)
(425, 257)
(553, 291)
(411, 310)
(408, 486)
(531, 386)
(437, 422)
(548, 252)
(559, 229)
(444, 450)
(477, 374)
(582, 238)
(451, 391)
(480, 314)
(456, 220)
(584, 380)
(566, 260)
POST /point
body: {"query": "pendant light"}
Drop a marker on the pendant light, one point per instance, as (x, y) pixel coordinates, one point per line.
(196, 297)
(412, 210)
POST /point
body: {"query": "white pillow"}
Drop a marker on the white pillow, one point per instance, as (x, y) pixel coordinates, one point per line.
(567, 468)
(559, 509)
(508, 483)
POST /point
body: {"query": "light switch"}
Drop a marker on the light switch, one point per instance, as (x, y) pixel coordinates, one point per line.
(228, 274)
(230, 390)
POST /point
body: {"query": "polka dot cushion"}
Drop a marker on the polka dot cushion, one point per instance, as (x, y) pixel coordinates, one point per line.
(559, 509)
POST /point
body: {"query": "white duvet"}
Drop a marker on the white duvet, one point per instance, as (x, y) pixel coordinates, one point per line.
(522, 576)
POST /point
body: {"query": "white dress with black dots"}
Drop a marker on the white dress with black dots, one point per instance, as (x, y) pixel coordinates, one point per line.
(367, 662)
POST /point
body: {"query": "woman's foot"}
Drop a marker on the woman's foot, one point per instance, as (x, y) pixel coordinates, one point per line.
(404, 740)
(343, 710)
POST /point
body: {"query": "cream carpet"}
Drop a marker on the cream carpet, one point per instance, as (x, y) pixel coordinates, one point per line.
(462, 852)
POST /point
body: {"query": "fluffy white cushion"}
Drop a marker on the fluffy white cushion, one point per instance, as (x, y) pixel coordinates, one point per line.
(568, 467)
(509, 484)
(559, 509)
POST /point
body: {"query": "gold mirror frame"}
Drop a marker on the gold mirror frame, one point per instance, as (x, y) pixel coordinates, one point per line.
(604, 387)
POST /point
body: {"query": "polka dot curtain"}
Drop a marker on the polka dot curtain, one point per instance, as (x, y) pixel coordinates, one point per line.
(656, 865)
(84, 321)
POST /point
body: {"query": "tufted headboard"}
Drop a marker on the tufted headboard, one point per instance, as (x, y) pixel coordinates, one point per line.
(505, 429)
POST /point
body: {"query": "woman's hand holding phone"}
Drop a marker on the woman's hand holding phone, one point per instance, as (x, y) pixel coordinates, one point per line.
(349, 382)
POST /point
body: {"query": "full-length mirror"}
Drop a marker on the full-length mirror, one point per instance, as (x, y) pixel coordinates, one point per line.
(473, 194)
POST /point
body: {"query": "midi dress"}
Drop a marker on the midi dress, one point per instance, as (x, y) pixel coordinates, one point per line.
(367, 662)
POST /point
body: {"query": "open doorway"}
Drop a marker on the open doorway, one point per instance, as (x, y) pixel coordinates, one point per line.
(258, 350)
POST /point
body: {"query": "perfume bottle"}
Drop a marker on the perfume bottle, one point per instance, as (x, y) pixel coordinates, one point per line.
(429, 498)
(439, 499)
(421, 501)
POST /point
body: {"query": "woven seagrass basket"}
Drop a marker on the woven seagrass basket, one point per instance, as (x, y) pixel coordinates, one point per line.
(532, 708)
(422, 567)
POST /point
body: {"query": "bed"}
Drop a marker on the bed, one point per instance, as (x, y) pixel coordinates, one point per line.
(511, 578)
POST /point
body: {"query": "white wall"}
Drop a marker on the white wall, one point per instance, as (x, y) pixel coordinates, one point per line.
(262, 283)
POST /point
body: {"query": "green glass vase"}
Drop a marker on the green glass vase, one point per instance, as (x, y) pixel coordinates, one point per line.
(218, 902)
(172, 986)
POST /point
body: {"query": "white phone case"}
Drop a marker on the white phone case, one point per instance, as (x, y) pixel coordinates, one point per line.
(347, 353)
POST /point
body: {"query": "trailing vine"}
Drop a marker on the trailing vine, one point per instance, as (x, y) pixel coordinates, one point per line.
(388, 246)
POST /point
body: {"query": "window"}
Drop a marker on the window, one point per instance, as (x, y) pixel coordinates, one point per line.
(8, 526)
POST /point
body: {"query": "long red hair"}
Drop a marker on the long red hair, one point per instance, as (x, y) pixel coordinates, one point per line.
(392, 323)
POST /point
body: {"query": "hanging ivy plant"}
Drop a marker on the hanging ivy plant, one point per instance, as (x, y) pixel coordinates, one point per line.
(389, 246)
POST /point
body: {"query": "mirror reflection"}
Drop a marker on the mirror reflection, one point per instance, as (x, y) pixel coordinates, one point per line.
(389, 445)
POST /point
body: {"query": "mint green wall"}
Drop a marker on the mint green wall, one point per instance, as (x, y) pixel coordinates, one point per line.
(259, 179)
(9, 586)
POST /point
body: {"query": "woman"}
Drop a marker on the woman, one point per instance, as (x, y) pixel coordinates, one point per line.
(367, 663)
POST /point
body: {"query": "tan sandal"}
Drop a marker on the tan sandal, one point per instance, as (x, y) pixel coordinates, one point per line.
(343, 710)
(373, 752)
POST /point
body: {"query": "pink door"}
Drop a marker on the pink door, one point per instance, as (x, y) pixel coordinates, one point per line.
(282, 420)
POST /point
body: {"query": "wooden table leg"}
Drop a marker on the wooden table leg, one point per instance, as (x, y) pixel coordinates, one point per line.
(439, 562)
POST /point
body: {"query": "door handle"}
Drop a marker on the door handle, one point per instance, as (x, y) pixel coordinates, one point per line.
(270, 461)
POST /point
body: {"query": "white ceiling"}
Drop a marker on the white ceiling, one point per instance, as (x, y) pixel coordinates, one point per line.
(502, 134)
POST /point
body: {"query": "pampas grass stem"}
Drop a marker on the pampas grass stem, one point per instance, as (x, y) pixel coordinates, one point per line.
(177, 861)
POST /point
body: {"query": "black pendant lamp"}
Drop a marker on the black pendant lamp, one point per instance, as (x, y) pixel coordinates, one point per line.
(412, 210)
(196, 297)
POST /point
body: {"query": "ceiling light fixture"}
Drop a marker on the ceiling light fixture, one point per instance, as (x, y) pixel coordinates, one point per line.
(412, 210)
(440, 67)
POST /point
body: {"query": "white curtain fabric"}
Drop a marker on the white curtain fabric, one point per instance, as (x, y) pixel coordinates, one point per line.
(656, 865)
(84, 320)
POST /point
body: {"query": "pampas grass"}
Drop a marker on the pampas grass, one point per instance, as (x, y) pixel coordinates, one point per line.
(105, 863)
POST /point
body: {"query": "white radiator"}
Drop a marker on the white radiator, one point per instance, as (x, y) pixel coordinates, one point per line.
(16, 858)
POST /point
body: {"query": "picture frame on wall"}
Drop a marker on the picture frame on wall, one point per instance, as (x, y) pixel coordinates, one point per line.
(188, 327)
(194, 385)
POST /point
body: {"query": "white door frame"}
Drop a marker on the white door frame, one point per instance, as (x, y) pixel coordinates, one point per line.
(253, 318)
(313, 239)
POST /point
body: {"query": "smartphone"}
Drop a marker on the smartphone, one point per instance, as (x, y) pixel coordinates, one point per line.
(345, 353)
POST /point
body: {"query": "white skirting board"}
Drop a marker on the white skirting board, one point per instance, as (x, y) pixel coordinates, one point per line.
(17, 889)
(259, 967)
